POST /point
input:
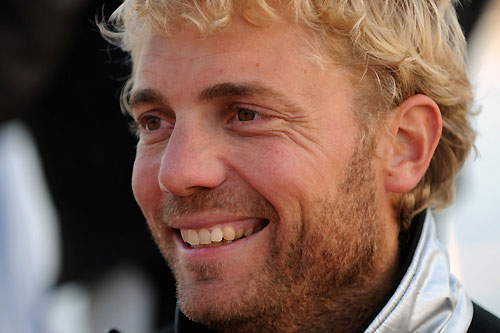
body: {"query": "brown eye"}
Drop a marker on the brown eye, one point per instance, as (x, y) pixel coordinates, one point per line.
(246, 115)
(152, 123)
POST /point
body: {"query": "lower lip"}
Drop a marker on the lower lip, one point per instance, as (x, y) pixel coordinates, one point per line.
(212, 253)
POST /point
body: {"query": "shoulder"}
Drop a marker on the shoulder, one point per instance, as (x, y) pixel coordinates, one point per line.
(483, 321)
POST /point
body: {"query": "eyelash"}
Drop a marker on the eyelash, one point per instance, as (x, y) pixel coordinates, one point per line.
(257, 115)
(139, 126)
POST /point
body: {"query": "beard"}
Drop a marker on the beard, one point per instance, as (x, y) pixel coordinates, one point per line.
(321, 273)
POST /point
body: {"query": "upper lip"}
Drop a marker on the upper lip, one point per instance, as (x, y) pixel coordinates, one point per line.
(205, 220)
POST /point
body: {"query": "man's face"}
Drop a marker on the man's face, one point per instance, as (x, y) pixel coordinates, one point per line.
(241, 131)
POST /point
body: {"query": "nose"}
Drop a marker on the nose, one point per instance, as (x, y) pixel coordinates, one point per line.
(190, 162)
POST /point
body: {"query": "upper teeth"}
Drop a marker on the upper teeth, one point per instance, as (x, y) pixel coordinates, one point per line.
(215, 235)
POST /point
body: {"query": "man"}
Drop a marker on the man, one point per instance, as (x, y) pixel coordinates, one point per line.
(289, 153)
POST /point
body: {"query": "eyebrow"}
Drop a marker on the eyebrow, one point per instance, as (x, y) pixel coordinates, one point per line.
(229, 89)
(250, 89)
(226, 89)
(145, 96)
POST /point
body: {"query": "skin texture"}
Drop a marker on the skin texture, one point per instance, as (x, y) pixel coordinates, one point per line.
(328, 253)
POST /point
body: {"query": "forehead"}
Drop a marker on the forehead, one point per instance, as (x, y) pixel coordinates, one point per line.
(182, 66)
(238, 49)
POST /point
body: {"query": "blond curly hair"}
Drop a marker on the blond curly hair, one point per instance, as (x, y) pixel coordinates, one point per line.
(399, 47)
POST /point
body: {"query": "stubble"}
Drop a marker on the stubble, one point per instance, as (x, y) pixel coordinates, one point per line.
(320, 275)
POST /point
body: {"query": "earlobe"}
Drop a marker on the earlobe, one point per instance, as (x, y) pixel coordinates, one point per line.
(415, 128)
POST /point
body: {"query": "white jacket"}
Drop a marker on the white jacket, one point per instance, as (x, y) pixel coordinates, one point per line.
(429, 298)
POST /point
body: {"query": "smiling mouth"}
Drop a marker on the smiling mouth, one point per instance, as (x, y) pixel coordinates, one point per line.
(218, 235)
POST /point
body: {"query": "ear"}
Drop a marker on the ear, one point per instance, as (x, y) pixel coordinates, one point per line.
(415, 129)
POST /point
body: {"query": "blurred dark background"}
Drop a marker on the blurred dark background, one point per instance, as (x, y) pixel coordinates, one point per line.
(63, 80)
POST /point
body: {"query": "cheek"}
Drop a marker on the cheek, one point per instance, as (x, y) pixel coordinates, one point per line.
(288, 178)
(145, 184)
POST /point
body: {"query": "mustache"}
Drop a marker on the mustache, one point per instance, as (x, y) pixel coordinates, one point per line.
(220, 200)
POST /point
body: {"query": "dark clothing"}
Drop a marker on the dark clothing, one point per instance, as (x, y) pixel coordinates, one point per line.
(483, 321)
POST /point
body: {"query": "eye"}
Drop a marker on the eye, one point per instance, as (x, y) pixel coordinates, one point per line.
(153, 126)
(246, 114)
(152, 123)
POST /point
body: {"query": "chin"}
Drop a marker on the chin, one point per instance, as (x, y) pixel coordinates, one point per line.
(219, 296)
(212, 303)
